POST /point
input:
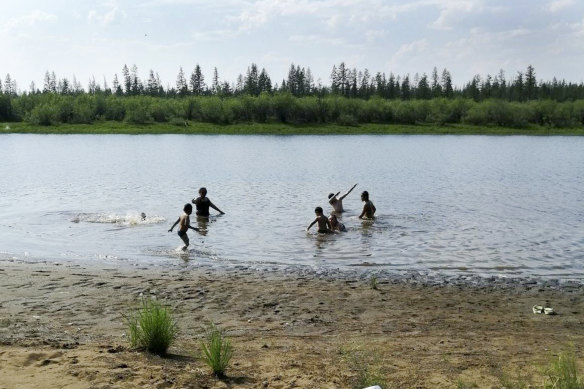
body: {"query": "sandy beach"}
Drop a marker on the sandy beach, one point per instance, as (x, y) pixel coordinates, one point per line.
(62, 326)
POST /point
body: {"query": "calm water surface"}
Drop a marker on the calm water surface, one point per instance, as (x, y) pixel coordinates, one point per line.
(509, 206)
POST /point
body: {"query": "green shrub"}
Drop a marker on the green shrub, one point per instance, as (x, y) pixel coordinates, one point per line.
(347, 120)
(212, 110)
(283, 104)
(138, 111)
(115, 109)
(263, 108)
(217, 350)
(152, 327)
(44, 115)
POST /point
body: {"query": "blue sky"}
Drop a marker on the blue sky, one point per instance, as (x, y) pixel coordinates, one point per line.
(467, 37)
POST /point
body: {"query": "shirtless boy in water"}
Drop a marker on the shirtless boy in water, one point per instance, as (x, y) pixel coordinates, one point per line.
(184, 222)
(324, 225)
(337, 202)
(368, 207)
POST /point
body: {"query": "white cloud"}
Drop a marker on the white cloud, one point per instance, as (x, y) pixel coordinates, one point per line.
(453, 11)
(109, 17)
(558, 5)
(35, 17)
(412, 48)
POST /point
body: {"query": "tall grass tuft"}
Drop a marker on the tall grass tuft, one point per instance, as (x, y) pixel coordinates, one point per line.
(563, 372)
(217, 350)
(152, 327)
(367, 366)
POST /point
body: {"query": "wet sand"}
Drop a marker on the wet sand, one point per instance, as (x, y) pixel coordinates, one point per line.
(62, 326)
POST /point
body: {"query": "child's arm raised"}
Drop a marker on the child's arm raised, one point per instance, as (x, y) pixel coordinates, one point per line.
(349, 191)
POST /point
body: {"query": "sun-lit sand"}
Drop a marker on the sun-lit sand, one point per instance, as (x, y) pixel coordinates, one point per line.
(62, 326)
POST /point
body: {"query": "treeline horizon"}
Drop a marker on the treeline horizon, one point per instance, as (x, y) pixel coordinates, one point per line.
(352, 98)
(344, 81)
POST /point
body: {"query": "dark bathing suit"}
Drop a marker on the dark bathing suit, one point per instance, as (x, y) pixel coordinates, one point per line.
(203, 207)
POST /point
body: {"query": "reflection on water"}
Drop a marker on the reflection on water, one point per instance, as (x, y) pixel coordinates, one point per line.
(489, 205)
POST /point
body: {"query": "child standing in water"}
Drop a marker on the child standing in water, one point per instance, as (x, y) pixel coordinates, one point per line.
(203, 203)
(337, 202)
(324, 225)
(368, 208)
(336, 225)
(184, 222)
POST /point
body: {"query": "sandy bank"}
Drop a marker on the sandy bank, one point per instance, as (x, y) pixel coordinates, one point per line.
(61, 326)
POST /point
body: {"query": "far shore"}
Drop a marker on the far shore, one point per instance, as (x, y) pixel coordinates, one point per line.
(62, 325)
(194, 128)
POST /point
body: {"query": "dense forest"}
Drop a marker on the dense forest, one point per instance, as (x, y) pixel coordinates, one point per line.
(352, 97)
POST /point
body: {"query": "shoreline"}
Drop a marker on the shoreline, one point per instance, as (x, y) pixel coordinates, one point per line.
(363, 273)
(200, 128)
(289, 328)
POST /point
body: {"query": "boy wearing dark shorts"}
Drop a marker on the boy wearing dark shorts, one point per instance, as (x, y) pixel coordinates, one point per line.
(184, 222)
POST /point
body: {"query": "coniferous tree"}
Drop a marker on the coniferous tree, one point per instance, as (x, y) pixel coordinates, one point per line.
(308, 81)
(423, 91)
(64, 87)
(447, 88)
(152, 84)
(436, 88)
(364, 84)
(353, 87)
(250, 86)
(10, 85)
(264, 82)
(197, 81)
(530, 83)
(392, 87)
(181, 83)
(335, 80)
(343, 79)
(53, 82)
(127, 80)
(117, 87)
(215, 82)
(406, 88)
(136, 83)
(47, 82)
(239, 85)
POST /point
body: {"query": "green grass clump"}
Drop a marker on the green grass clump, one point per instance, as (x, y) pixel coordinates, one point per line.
(366, 365)
(152, 327)
(563, 372)
(217, 350)
(374, 283)
(466, 385)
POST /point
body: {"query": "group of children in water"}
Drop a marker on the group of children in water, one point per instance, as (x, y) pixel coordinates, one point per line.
(325, 225)
(332, 223)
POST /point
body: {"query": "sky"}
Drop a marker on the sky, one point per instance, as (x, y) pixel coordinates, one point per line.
(96, 38)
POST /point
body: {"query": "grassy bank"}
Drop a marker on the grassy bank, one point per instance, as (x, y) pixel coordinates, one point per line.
(115, 127)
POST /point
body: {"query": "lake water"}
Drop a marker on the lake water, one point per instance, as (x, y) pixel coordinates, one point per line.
(510, 206)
